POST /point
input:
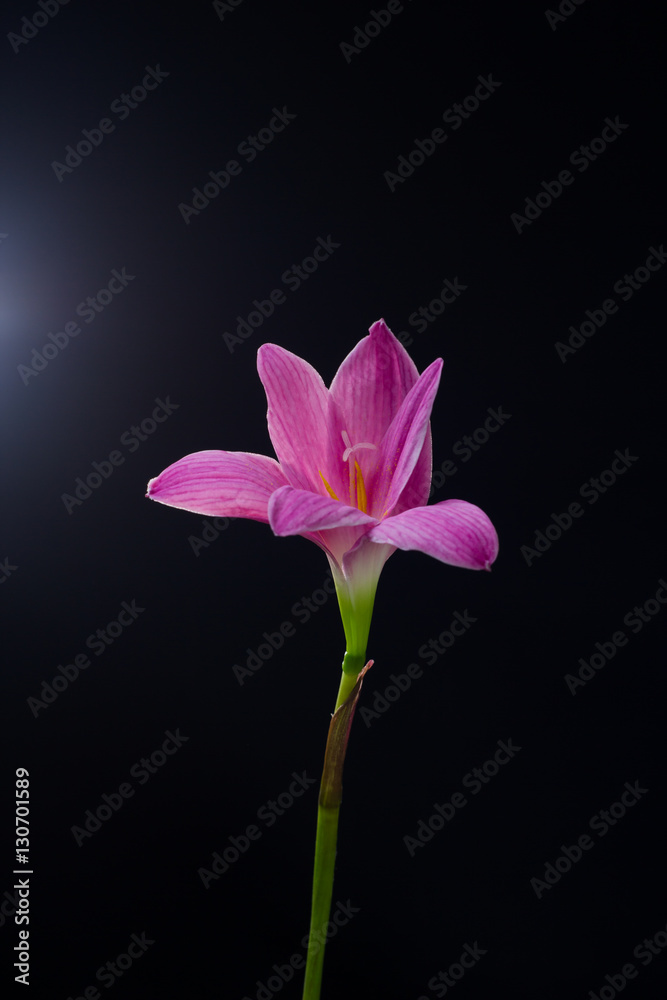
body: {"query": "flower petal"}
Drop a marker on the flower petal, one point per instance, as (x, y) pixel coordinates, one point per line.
(298, 416)
(372, 382)
(416, 491)
(403, 444)
(299, 512)
(453, 531)
(220, 483)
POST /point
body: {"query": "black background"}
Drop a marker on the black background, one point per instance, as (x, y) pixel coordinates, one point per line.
(162, 337)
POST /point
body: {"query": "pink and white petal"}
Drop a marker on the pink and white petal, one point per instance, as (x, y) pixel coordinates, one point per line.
(363, 562)
(403, 443)
(299, 512)
(372, 382)
(298, 415)
(220, 483)
(453, 531)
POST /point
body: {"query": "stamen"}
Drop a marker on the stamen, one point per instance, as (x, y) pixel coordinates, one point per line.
(357, 486)
(361, 490)
(329, 490)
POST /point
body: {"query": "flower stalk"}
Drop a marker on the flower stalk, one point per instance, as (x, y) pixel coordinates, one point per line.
(328, 809)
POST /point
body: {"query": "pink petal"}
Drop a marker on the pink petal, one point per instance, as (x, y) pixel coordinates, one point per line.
(372, 382)
(403, 443)
(299, 512)
(455, 532)
(220, 483)
(298, 416)
(416, 491)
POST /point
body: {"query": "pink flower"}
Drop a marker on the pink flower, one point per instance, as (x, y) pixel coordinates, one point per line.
(353, 473)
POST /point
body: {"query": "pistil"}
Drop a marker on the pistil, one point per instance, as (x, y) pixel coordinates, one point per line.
(358, 496)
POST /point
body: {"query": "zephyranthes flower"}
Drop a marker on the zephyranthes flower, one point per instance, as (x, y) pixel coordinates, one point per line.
(353, 473)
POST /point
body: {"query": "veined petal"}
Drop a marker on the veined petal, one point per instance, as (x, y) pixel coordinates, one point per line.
(372, 382)
(220, 483)
(299, 512)
(298, 415)
(402, 445)
(416, 491)
(453, 531)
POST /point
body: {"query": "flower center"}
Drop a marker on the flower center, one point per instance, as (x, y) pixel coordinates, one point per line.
(357, 491)
(357, 487)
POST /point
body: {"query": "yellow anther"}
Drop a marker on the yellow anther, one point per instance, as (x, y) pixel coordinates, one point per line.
(361, 490)
(329, 490)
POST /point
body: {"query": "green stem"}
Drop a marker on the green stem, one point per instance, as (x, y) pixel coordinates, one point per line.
(331, 793)
(325, 857)
(347, 683)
